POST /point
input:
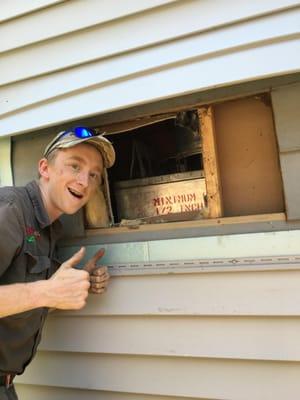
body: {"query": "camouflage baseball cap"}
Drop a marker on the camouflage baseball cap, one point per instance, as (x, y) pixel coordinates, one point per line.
(81, 134)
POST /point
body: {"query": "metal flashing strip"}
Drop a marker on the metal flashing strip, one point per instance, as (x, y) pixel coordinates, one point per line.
(246, 264)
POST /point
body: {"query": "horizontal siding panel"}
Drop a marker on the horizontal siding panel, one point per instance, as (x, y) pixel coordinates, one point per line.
(285, 102)
(29, 392)
(157, 25)
(240, 338)
(290, 166)
(16, 8)
(176, 80)
(270, 293)
(287, 120)
(105, 72)
(217, 379)
(51, 22)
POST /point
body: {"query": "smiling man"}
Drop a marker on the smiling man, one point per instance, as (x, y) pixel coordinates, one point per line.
(31, 278)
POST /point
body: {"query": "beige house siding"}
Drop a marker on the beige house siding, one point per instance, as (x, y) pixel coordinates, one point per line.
(287, 119)
(212, 334)
(108, 58)
(214, 342)
(219, 333)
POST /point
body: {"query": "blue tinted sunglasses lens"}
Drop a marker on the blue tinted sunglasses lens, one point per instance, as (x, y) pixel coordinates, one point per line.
(82, 132)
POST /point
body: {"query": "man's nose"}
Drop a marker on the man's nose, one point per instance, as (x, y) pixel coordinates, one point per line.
(83, 178)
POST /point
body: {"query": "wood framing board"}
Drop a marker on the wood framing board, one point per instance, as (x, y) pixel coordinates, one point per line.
(184, 229)
(126, 126)
(6, 178)
(210, 162)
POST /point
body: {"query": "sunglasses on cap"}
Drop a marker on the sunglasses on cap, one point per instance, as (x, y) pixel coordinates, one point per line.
(81, 132)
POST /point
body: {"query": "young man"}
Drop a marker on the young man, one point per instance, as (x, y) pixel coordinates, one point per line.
(31, 279)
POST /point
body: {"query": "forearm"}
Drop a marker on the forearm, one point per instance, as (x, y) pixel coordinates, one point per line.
(67, 289)
(20, 297)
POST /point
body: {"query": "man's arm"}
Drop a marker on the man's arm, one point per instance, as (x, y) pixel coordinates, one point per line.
(67, 289)
(20, 297)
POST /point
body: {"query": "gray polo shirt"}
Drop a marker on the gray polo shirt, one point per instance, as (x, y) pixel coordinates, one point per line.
(27, 254)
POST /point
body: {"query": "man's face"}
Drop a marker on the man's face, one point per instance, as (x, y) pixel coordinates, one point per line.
(73, 176)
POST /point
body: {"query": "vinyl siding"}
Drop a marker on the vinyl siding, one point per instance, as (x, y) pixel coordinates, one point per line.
(287, 120)
(162, 352)
(135, 53)
(211, 334)
(216, 333)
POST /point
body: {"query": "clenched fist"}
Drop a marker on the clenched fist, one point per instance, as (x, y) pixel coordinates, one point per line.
(99, 277)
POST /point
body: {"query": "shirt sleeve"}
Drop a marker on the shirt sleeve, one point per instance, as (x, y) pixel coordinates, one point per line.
(11, 235)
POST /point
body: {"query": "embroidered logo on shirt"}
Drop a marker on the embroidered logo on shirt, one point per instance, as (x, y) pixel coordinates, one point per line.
(31, 234)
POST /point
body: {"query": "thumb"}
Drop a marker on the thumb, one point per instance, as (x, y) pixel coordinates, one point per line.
(91, 264)
(74, 260)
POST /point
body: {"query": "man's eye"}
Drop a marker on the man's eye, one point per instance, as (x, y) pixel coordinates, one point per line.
(94, 176)
(75, 167)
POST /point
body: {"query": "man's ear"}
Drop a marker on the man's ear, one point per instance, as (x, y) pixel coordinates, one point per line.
(44, 168)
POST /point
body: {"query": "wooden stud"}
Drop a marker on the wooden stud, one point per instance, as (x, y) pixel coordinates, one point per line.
(210, 162)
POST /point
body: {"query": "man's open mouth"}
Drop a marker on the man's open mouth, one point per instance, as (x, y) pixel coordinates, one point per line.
(75, 193)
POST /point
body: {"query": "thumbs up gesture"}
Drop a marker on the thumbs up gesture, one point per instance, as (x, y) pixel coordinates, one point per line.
(99, 276)
(68, 288)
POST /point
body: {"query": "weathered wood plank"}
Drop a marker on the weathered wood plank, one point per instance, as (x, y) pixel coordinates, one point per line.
(6, 178)
(210, 162)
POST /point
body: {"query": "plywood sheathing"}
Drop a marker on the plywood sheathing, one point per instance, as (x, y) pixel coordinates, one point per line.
(248, 157)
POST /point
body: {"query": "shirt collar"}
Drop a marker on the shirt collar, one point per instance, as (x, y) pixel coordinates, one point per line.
(39, 208)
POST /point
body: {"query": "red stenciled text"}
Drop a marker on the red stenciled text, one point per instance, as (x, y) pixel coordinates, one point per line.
(177, 203)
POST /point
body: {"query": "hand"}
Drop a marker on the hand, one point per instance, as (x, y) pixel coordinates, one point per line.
(99, 276)
(68, 287)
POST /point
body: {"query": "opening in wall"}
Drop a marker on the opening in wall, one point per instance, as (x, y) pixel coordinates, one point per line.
(159, 175)
(217, 160)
